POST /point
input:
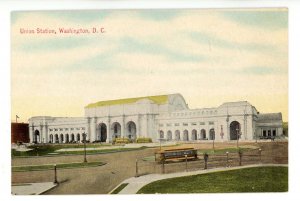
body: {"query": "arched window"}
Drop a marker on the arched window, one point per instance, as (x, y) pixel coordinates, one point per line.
(161, 134)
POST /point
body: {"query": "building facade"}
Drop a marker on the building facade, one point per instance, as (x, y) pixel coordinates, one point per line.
(164, 117)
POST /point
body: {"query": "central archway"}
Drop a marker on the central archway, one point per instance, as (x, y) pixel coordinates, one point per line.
(131, 130)
(185, 135)
(102, 132)
(177, 135)
(116, 130)
(194, 134)
(169, 135)
(203, 134)
(235, 128)
(161, 134)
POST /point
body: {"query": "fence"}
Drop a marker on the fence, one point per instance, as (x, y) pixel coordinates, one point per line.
(255, 156)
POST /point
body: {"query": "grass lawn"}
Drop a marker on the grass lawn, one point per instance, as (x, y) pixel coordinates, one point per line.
(117, 190)
(50, 150)
(58, 166)
(257, 179)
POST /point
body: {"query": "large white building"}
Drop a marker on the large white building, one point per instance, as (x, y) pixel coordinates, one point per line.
(158, 117)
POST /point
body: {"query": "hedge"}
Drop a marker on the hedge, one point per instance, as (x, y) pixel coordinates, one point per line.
(122, 140)
(143, 140)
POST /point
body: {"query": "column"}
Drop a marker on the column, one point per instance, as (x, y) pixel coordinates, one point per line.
(123, 129)
(139, 126)
(228, 129)
(45, 133)
(41, 133)
(108, 137)
(93, 129)
(88, 128)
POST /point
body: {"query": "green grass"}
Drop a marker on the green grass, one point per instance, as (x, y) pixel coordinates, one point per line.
(58, 166)
(117, 190)
(257, 179)
(47, 150)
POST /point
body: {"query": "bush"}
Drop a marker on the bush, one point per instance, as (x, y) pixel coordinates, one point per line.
(143, 140)
(121, 140)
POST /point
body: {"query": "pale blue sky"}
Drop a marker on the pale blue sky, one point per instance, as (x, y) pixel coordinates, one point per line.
(150, 52)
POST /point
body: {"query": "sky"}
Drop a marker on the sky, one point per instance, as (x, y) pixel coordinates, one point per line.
(209, 56)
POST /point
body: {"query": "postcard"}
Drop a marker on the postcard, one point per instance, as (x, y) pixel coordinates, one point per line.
(148, 101)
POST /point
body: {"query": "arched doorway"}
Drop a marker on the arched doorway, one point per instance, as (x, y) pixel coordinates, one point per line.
(161, 134)
(169, 135)
(51, 138)
(78, 137)
(177, 135)
(185, 135)
(131, 130)
(61, 138)
(56, 138)
(102, 132)
(36, 138)
(203, 134)
(67, 138)
(235, 128)
(212, 134)
(116, 130)
(72, 137)
(194, 134)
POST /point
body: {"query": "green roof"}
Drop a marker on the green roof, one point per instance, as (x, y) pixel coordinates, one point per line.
(156, 99)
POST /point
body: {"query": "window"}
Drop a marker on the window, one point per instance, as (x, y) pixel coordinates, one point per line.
(161, 125)
(274, 132)
(211, 123)
(50, 129)
(83, 128)
(185, 124)
(72, 129)
(194, 124)
(77, 128)
(61, 129)
(169, 124)
(56, 129)
(176, 124)
(66, 129)
(202, 123)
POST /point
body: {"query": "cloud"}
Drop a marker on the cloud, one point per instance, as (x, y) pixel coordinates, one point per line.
(260, 70)
(130, 44)
(266, 19)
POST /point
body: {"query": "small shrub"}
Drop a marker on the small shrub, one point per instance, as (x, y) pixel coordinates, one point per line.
(121, 140)
(143, 140)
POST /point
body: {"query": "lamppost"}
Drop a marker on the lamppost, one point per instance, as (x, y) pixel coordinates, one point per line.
(84, 141)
